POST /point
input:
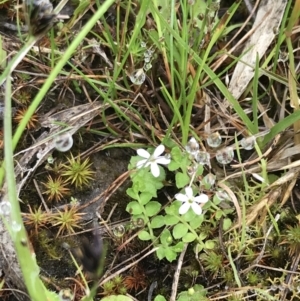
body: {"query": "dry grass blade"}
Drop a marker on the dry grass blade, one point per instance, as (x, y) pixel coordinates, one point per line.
(235, 202)
(258, 210)
(290, 175)
(267, 21)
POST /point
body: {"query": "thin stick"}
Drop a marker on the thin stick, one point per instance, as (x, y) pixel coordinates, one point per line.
(127, 267)
(177, 274)
(40, 195)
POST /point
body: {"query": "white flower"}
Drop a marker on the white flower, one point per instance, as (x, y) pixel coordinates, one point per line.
(188, 200)
(152, 160)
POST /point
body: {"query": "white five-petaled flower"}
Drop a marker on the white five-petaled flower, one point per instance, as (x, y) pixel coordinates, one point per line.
(152, 160)
(188, 200)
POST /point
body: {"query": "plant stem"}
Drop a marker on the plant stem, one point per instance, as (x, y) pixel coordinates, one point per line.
(29, 267)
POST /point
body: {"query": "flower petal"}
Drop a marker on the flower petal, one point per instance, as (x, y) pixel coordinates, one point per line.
(155, 169)
(189, 192)
(184, 208)
(181, 197)
(202, 198)
(196, 208)
(141, 163)
(158, 151)
(162, 160)
(143, 153)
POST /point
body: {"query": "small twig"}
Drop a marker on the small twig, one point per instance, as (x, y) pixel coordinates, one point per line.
(250, 8)
(49, 281)
(112, 268)
(264, 155)
(277, 269)
(289, 278)
(111, 212)
(122, 246)
(105, 222)
(127, 267)
(107, 192)
(177, 274)
(151, 289)
(40, 195)
(14, 290)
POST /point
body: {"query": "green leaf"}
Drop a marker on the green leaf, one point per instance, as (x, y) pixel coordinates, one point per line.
(132, 164)
(132, 193)
(185, 162)
(226, 224)
(216, 200)
(189, 216)
(134, 208)
(199, 171)
(138, 185)
(157, 222)
(170, 254)
(209, 244)
(202, 236)
(180, 230)
(173, 209)
(199, 9)
(189, 237)
(145, 197)
(171, 220)
(173, 165)
(197, 221)
(165, 10)
(160, 252)
(144, 235)
(169, 143)
(152, 208)
(3, 55)
(183, 296)
(153, 35)
(200, 288)
(166, 237)
(178, 247)
(281, 125)
(145, 182)
(182, 179)
(199, 293)
(176, 154)
(199, 247)
(219, 214)
(160, 298)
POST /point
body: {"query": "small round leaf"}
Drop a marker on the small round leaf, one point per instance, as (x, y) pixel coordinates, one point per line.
(144, 235)
(180, 230)
(152, 208)
(157, 222)
(171, 220)
(209, 244)
(182, 179)
(226, 224)
(189, 237)
(134, 208)
(160, 298)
